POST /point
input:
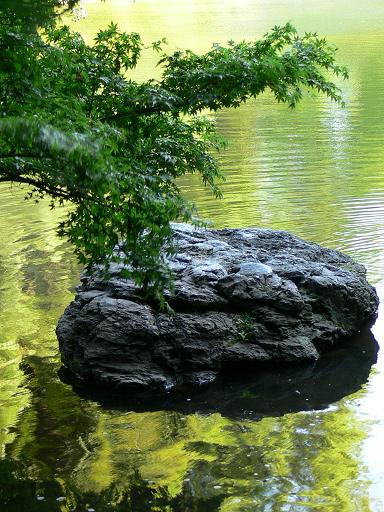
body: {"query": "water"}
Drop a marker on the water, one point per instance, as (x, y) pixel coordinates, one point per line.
(308, 440)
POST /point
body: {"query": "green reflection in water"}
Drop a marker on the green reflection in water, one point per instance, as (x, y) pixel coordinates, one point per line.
(308, 460)
(301, 458)
(316, 171)
(35, 281)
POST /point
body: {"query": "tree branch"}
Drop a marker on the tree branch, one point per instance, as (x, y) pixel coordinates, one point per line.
(53, 191)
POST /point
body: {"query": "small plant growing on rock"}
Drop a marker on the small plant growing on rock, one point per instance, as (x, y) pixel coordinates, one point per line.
(246, 326)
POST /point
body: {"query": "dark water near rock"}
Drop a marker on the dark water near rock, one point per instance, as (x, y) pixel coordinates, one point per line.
(306, 438)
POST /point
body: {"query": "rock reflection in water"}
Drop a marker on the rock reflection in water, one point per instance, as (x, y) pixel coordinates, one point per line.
(213, 452)
(259, 393)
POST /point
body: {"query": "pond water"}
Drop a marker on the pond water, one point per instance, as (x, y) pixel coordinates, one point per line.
(305, 439)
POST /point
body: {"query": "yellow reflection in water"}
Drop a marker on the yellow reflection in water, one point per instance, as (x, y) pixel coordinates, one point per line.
(308, 460)
(318, 172)
(32, 293)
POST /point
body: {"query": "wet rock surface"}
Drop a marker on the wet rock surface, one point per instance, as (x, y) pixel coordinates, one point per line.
(244, 298)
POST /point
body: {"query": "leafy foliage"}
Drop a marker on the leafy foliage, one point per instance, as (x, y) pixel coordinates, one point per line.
(75, 127)
(36, 13)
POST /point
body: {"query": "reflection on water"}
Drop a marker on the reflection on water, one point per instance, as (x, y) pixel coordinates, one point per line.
(252, 445)
(254, 394)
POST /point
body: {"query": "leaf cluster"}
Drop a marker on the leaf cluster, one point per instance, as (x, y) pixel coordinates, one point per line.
(36, 13)
(75, 126)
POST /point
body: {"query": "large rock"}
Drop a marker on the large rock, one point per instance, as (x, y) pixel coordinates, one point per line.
(243, 297)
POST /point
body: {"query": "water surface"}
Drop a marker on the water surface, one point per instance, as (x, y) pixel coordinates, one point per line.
(270, 445)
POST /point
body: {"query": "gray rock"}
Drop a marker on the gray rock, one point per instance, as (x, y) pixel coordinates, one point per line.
(242, 297)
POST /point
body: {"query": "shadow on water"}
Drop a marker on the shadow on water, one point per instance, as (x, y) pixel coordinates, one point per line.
(19, 492)
(255, 394)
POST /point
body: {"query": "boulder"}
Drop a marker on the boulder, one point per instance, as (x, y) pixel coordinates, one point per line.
(243, 298)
